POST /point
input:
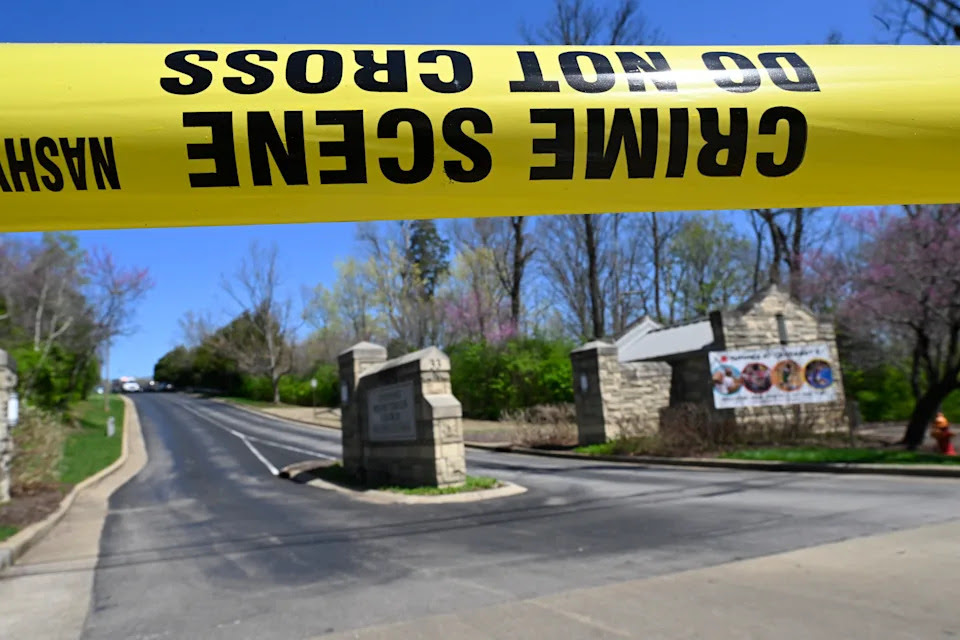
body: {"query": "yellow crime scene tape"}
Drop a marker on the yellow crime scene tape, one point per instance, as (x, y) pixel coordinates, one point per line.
(115, 136)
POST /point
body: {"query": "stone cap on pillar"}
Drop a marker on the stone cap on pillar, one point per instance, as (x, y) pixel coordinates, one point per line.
(430, 358)
(599, 346)
(363, 351)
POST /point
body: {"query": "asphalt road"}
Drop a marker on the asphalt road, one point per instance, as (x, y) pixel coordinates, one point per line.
(206, 543)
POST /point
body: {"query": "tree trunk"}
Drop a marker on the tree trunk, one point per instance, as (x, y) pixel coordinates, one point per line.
(276, 389)
(923, 414)
(657, 266)
(915, 374)
(516, 275)
(618, 307)
(596, 306)
(757, 261)
(777, 258)
(796, 255)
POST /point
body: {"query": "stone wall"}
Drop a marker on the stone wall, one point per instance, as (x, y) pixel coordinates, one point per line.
(755, 326)
(401, 423)
(614, 399)
(8, 384)
(644, 390)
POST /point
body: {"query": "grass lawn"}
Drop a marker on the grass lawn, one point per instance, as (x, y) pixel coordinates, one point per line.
(7, 531)
(640, 446)
(335, 473)
(473, 483)
(87, 449)
(612, 448)
(827, 454)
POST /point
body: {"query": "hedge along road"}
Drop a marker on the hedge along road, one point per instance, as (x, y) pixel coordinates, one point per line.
(215, 135)
(225, 549)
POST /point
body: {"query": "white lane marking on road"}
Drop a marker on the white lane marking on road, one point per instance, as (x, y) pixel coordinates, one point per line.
(270, 443)
(259, 455)
(247, 439)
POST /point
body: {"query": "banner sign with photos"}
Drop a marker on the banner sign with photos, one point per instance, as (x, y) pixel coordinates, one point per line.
(782, 375)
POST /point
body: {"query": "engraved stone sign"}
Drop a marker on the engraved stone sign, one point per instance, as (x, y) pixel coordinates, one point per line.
(390, 412)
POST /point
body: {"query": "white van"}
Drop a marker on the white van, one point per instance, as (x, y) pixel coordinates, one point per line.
(131, 387)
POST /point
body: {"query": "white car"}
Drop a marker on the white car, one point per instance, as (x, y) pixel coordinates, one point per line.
(131, 387)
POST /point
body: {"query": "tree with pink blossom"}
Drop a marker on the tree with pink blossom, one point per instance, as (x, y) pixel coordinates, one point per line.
(474, 305)
(904, 288)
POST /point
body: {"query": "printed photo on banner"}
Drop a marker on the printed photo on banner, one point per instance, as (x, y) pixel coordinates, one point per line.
(818, 374)
(780, 375)
(788, 376)
(756, 377)
(727, 380)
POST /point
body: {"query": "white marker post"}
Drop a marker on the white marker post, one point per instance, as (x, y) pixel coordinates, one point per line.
(313, 387)
(111, 427)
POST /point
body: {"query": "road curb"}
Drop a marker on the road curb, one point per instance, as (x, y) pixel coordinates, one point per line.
(932, 471)
(506, 489)
(920, 470)
(14, 547)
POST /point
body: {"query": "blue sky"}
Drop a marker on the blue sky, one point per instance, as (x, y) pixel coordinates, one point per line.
(186, 263)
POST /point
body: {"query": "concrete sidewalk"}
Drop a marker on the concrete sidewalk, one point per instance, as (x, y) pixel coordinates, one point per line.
(46, 594)
(901, 585)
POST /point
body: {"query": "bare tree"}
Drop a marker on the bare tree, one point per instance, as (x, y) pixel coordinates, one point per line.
(261, 338)
(482, 280)
(931, 21)
(512, 249)
(582, 22)
(565, 266)
(656, 231)
(794, 234)
(512, 269)
(759, 227)
(113, 292)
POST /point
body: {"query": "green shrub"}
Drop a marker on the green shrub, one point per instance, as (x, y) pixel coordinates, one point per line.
(56, 379)
(296, 390)
(256, 388)
(884, 394)
(525, 372)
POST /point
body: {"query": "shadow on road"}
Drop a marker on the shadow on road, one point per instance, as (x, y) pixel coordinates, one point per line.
(424, 526)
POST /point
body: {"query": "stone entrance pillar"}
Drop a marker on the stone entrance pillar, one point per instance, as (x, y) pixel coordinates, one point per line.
(401, 423)
(8, 385)
(596, 385)
(353, 362)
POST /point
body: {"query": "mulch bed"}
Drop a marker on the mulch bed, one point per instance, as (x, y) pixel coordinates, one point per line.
(32, 505)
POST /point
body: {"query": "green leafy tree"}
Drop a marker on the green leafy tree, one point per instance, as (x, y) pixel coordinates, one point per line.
(711, 265)
(427, 257)
(51, 305)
